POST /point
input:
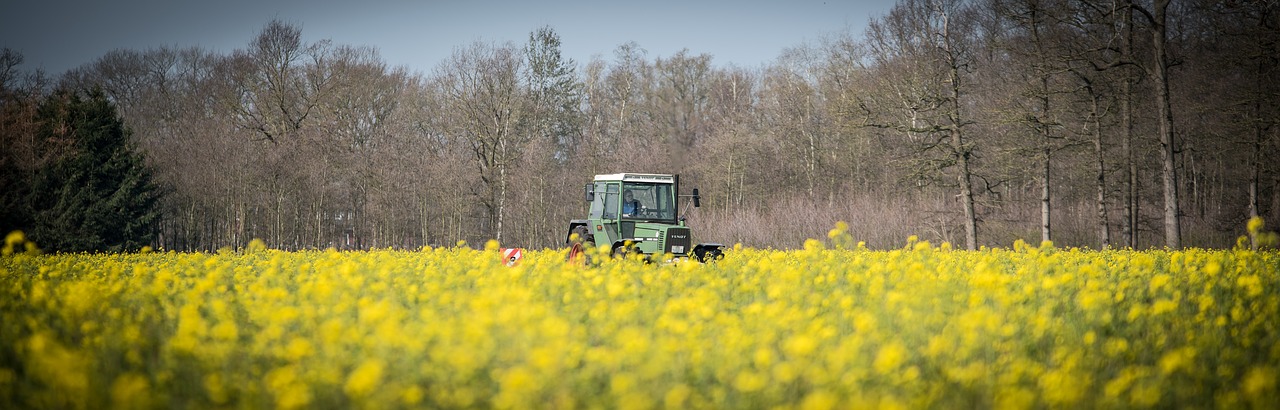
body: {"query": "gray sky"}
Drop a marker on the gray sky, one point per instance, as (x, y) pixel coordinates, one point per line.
(57, 35)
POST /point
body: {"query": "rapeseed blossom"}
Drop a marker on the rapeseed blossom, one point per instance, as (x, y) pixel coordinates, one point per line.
(823, 327)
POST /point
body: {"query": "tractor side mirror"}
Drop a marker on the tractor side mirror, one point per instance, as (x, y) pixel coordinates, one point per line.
(697, 200)
(590, 193)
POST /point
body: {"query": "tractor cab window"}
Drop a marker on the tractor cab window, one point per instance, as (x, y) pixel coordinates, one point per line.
(606, 204)
(648, 202)
(598, 200)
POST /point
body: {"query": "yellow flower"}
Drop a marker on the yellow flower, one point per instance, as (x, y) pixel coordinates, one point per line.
(226, 331)
(214, 386)
(289, 391)
(1259, 381)
(800, 346)
(889, 358)
(364, 379)
(1159, 281)
(749, 381)
(1162, 306)
(827, 327)
(297, 349)
(676, 397)
(1063, 387)
(131, 391)
(1255, 225)
(1015, 398)
(1177, 359)
(412, 396)
(819, 400)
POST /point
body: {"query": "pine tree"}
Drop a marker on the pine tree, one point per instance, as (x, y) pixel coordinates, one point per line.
(100, 195)
(555, 92)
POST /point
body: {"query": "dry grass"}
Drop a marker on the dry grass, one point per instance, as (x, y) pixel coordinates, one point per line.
(883, 221)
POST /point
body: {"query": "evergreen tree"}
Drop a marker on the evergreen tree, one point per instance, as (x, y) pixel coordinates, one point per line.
(99, 195)
(555, 92)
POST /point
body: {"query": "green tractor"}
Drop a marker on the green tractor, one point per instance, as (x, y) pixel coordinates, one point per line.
(637, 214)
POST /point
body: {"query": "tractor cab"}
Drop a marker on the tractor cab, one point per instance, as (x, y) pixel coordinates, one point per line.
(636, 198)
(638, 213)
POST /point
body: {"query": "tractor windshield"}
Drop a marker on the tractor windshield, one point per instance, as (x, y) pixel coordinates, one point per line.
(648, 202)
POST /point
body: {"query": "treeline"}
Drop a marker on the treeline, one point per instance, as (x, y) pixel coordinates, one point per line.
(1088, 122)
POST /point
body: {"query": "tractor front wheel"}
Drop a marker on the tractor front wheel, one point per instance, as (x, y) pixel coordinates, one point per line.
(623, 251)
(708, 254)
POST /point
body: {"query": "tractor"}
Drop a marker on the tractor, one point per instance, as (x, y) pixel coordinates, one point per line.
(637, 214)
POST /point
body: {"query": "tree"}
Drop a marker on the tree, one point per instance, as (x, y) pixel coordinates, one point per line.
(1245, 72)
(555, 93)
(485, 103)
(277, 94)
(1158, 71)
(554, 160)
(20, 153)
(678, 108)
(350, 149)
(922, 54)
(1033, 44)
(100, 196)
(729, 149)
(1129, 225)
(10, 59)
(620, 103)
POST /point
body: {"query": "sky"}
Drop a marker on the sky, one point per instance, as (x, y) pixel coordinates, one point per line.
(58, 35)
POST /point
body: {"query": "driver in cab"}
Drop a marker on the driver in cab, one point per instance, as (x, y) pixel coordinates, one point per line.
(630, 206)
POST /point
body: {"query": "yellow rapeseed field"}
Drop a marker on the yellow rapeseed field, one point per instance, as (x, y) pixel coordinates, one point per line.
(832, 325)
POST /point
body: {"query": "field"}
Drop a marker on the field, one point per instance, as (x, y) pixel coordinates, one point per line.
(832, 325)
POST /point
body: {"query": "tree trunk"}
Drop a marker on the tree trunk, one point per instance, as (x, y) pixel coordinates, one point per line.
(1046, 206)
(1169, 176)
(502, 199)
(1045, 191)
(1103, 229)
(424, 217)
(966, 191)
(1128, 227)
(1256, 148)
(1275, 200)
(957, 140)
(1042, 122)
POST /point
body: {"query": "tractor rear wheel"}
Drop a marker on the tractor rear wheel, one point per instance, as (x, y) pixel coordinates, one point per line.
(578, 247)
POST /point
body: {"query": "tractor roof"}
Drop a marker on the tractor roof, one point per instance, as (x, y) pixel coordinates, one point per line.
(654, 178)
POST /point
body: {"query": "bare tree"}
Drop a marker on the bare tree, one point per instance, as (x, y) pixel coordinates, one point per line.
(1158, 70)
(278, 94)
(1252, 31)
(1034, 40)
(734, 144)
(345, 165)
(922, 54)
(485, 103)
(435, 170)
(793, 115)
(627, 100)
(10, 59)
(679, 108)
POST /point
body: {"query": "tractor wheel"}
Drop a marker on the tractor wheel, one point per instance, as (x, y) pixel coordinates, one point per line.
(576, 255)
(709, 254)
(577, 249)
(624, 251)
